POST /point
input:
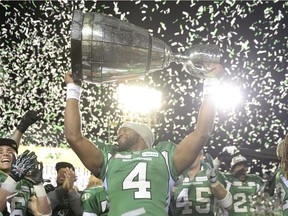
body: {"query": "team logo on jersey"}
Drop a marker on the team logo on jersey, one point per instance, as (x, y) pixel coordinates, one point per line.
(150, 154)
(85, 196)
(201, 178)
(251, 184)
(118, 155)
(237, 183)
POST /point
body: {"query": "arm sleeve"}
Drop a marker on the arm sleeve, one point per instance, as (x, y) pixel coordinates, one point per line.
(75, 202)
(52, 195)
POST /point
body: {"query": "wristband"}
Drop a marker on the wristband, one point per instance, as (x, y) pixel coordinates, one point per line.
(40, 190)
(210, 86)
(226, 201)
(73, 91)
(9, 184)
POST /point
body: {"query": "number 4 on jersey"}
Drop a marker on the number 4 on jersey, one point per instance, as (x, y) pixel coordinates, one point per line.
(137, 179)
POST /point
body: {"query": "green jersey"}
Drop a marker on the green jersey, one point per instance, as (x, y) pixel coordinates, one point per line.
(139, 182)
(94, 201)
(194, 196)
(282, 190)
(242, 193)
(20, 199)
(3, 177)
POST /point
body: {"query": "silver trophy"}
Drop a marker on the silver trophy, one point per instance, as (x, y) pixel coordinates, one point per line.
(106, 49)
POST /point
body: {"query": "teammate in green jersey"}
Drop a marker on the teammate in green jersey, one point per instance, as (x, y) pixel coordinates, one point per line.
(12, 182)
(14, 188)
(200, 189)
(94, 198)
(281, 184)
(282, 175)
(243, 187)
(137, 177)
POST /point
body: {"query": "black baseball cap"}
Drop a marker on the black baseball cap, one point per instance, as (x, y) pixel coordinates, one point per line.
(9, 142)
(60, 165)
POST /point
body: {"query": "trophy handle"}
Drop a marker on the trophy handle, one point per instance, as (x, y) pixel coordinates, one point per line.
(76, 47)
(76, 61)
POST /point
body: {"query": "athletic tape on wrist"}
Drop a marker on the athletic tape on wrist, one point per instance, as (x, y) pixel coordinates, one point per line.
(40, 190)
(73, 91)
(9, 185)
(210, 86)
(227, 201)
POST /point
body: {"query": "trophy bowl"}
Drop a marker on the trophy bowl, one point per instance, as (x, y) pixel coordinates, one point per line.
(106, 49)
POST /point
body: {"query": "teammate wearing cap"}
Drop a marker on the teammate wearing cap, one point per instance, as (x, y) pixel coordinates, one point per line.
(242, 186)
(65, 200)
(138, 178)
(22, 194)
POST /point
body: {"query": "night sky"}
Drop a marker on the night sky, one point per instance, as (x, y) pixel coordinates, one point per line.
(252, 36)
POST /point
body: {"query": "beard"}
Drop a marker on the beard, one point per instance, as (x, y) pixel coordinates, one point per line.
(126, 143)
(240, 172)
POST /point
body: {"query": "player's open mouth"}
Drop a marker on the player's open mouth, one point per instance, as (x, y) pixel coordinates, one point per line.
(5, 160)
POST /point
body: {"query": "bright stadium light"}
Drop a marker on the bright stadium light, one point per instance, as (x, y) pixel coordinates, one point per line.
(228, 97)
(138, 99)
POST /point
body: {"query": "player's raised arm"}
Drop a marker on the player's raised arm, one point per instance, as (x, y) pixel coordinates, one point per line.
(88, 153)
(188, 149)
(28, 119)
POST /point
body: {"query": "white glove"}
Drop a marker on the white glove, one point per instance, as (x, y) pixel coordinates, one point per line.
(230, 149)
(225, 155)
(211, 171)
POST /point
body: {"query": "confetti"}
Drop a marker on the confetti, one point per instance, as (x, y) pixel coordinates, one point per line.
(35, 54)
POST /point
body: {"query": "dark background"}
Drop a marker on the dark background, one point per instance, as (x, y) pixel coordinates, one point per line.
(252, 35)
